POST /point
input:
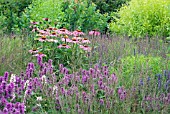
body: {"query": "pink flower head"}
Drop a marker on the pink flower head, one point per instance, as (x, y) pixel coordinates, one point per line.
(78, 33)
(33, 51)
(86, 48)
(63, 31)
(94, 32)
(45, 19)
(40, 54)
(63, 46)
(85, 40)
(75, 40)
(34, 23)
(52, 40)
(42, 39)
(50, 28)
(35, 29)
(53, 34)
(66, 40)
(44, 32)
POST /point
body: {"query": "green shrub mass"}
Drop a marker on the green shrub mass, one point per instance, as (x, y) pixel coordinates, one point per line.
(143, 17)
(108, 6)
(81, 15)
(40, 9)
(10, 12)
(132, 67)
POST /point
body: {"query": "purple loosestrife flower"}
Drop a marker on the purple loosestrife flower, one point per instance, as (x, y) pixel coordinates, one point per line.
(50, 61)
(3, 101)
(22, 108)
(114, 78)
(122, 93)
(1, 79)
(5, 111)
(61, 68)
(84, 79)
(63, 91)
(58, 106)
(9, 106)
(6, 75)
(101, 102)
(84, 96)
(39, 60)
(4, 84)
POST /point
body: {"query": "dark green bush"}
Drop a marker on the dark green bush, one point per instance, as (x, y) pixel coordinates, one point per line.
(83, 15)
(11, 11)
(108, 6)
(143, 17)
(70, 14)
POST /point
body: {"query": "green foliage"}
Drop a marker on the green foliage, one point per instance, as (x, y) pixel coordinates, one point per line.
(137, 64)
(108, 6)
(40, 9)
(143, 17)
(13, 55)
(83, 15)
(131, 68)
(11, 11)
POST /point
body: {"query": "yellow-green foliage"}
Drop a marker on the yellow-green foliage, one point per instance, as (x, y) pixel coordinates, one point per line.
(40, 9)
(143, 17)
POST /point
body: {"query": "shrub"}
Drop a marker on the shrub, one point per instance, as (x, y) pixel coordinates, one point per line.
(73, 15)
(11, 10)
(143, 17)
(40, 9)
(131, 68)
(108, 6)
(83, 15)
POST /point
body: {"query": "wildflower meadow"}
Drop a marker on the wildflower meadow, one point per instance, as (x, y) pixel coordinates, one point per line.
(84, 57)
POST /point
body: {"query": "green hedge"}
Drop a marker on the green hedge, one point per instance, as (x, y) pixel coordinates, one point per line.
(143, 17)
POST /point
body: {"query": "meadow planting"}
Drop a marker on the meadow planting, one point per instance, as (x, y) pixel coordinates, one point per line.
(84, 57)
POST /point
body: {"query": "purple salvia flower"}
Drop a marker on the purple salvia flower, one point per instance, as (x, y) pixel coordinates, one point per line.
(1, 79)
(3, 84)
(167, 85)
(63, 91)
(122, 96)
(5, 111)
(159, 84)
(92, 71)
(22, 74)
(3, 101)
(114, 78)
(77, 97)
(120, 90)
(50, 62)
(101, 102)
(39, 60)
(6, 74)
(51, 70)
(141, 82)
(84, 79)
(61, 68)
(106, 73)
(148, 80)
(9, 106)
(108, 104)
(22, 108)
(28, 92)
